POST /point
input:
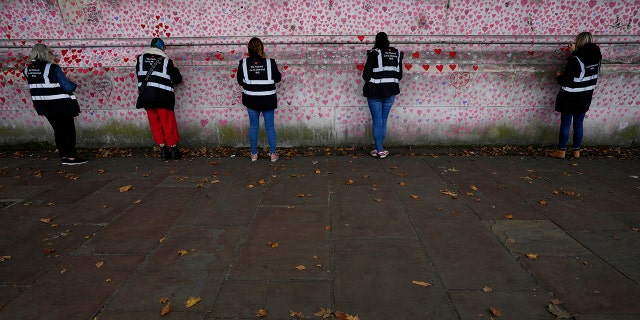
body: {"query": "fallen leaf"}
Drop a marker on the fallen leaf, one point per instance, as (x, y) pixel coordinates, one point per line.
(261, 313)
(508, 216)
(262, 182)
(377, 200)
(166, 309)
(449, 193)
(183, 252)
(191, 301)
(349, 182)
(495, 312)
(107, 280)
(532, 256)
(250, 186)
(555, 301)
(472, 187)
(350, 317)
(487, 289)
(45, 220)
(163, 300)
(324, 313)
(137, 201)
(317, 171)
(300, 195)
(104, 206)
(125, 188)
(559, 311)
(273, 244)
(99, 264)
(542, 202)
(401, 183)
(295, 314)
(301, 267)
(63, 270)
(48, 251)
(421, 283)
(101, 171)
(415, 196)
(51, 204)
(327, 228)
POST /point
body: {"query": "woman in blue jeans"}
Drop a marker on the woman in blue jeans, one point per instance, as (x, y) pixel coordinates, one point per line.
(382, 73)
(258, 76)
(577, 83)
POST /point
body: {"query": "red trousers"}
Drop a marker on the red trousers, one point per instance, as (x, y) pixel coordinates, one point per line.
(163, 126)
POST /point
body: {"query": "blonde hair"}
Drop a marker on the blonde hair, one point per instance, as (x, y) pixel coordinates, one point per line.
(256, 46)
(583, 39)
(42, 52)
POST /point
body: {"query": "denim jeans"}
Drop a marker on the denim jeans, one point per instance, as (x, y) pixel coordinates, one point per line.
(565, 126)
(254, 124)
(380, 109)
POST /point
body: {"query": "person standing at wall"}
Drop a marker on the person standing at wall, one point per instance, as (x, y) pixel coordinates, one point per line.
(382, 73)
(258, 76)
(577, 83)
(157, 75)
(52, 96)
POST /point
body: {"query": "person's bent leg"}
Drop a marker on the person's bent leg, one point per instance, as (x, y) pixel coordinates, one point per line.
(64, 134)
(254, 124)
(156, 126)
(271, 130)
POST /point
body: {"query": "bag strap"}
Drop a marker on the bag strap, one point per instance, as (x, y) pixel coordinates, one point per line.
(146, 78)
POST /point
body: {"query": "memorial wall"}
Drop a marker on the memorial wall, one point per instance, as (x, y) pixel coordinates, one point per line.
(476, 72)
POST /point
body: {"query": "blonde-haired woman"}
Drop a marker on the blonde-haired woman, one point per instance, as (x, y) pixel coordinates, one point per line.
(258, 76)
(577, 83)
(52, 96)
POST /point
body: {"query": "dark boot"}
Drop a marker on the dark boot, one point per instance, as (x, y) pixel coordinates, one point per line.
(165, 153)
(175, 153)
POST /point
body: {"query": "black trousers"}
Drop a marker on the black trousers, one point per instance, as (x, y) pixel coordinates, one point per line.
(64, 131)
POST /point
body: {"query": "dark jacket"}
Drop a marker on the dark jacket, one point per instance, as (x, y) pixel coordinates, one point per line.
(382, 73)
(159, 91)
(51, 91)
(579, 80)
(258, 77)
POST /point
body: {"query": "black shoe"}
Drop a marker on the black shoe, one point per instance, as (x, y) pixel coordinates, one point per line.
(165, 153)
(73, 161)
(175, 153)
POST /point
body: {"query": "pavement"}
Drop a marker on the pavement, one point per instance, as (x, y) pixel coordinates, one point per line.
(421, 236)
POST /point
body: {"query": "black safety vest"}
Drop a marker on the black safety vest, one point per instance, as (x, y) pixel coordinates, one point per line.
(46, 93)
(258, 80)
(388, 68)
(586, 80)
(159, 91)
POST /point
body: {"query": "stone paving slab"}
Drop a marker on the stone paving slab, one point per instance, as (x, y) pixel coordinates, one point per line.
(364, 228)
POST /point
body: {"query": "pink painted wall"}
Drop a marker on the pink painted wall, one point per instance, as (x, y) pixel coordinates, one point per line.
(476, 71)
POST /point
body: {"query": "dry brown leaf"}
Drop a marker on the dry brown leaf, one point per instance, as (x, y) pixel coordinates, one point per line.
(508, 216)
(166, 309)
(295, 314)
(300, 195)
(273, 244)
(401, 183)
(472, 187)
(99, 264)
(63, 270)
(101, 171)
(183, 252)
(261, 313)
(125, 188)
(532, 256)
(415, 196)
(327, 228)
(250, 186)
(542, 202)
(340, 315)
(3, 258)
(495, 312)
(317, 171)
(324, 313)
(349, 182)
(192, 301)
(555, 301)
(107, 280)
(487, 289)
(421, 283)
(45, 220)
(104, 206)
(51, 204)
(137, 201)
(301, 267)
(164, 300)
(449, 193)
(262, 182)
(48, 251)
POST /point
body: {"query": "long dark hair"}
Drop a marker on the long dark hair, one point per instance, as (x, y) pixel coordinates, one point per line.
(256, 47)
(382, 41)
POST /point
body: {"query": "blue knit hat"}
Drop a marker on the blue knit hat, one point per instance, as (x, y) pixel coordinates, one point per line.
(157, 43)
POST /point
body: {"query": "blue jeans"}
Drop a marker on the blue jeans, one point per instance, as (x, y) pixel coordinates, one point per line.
(565, 126)
(380, 109)
(254, 124)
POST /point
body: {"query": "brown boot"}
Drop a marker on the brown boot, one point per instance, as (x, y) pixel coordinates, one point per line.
(556, 154)
(575, 154)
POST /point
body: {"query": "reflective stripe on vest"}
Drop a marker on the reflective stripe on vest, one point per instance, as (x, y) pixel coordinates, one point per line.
(161, 74)
(48, 85)
(382, 68)
(582, 78)
(251, 82)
